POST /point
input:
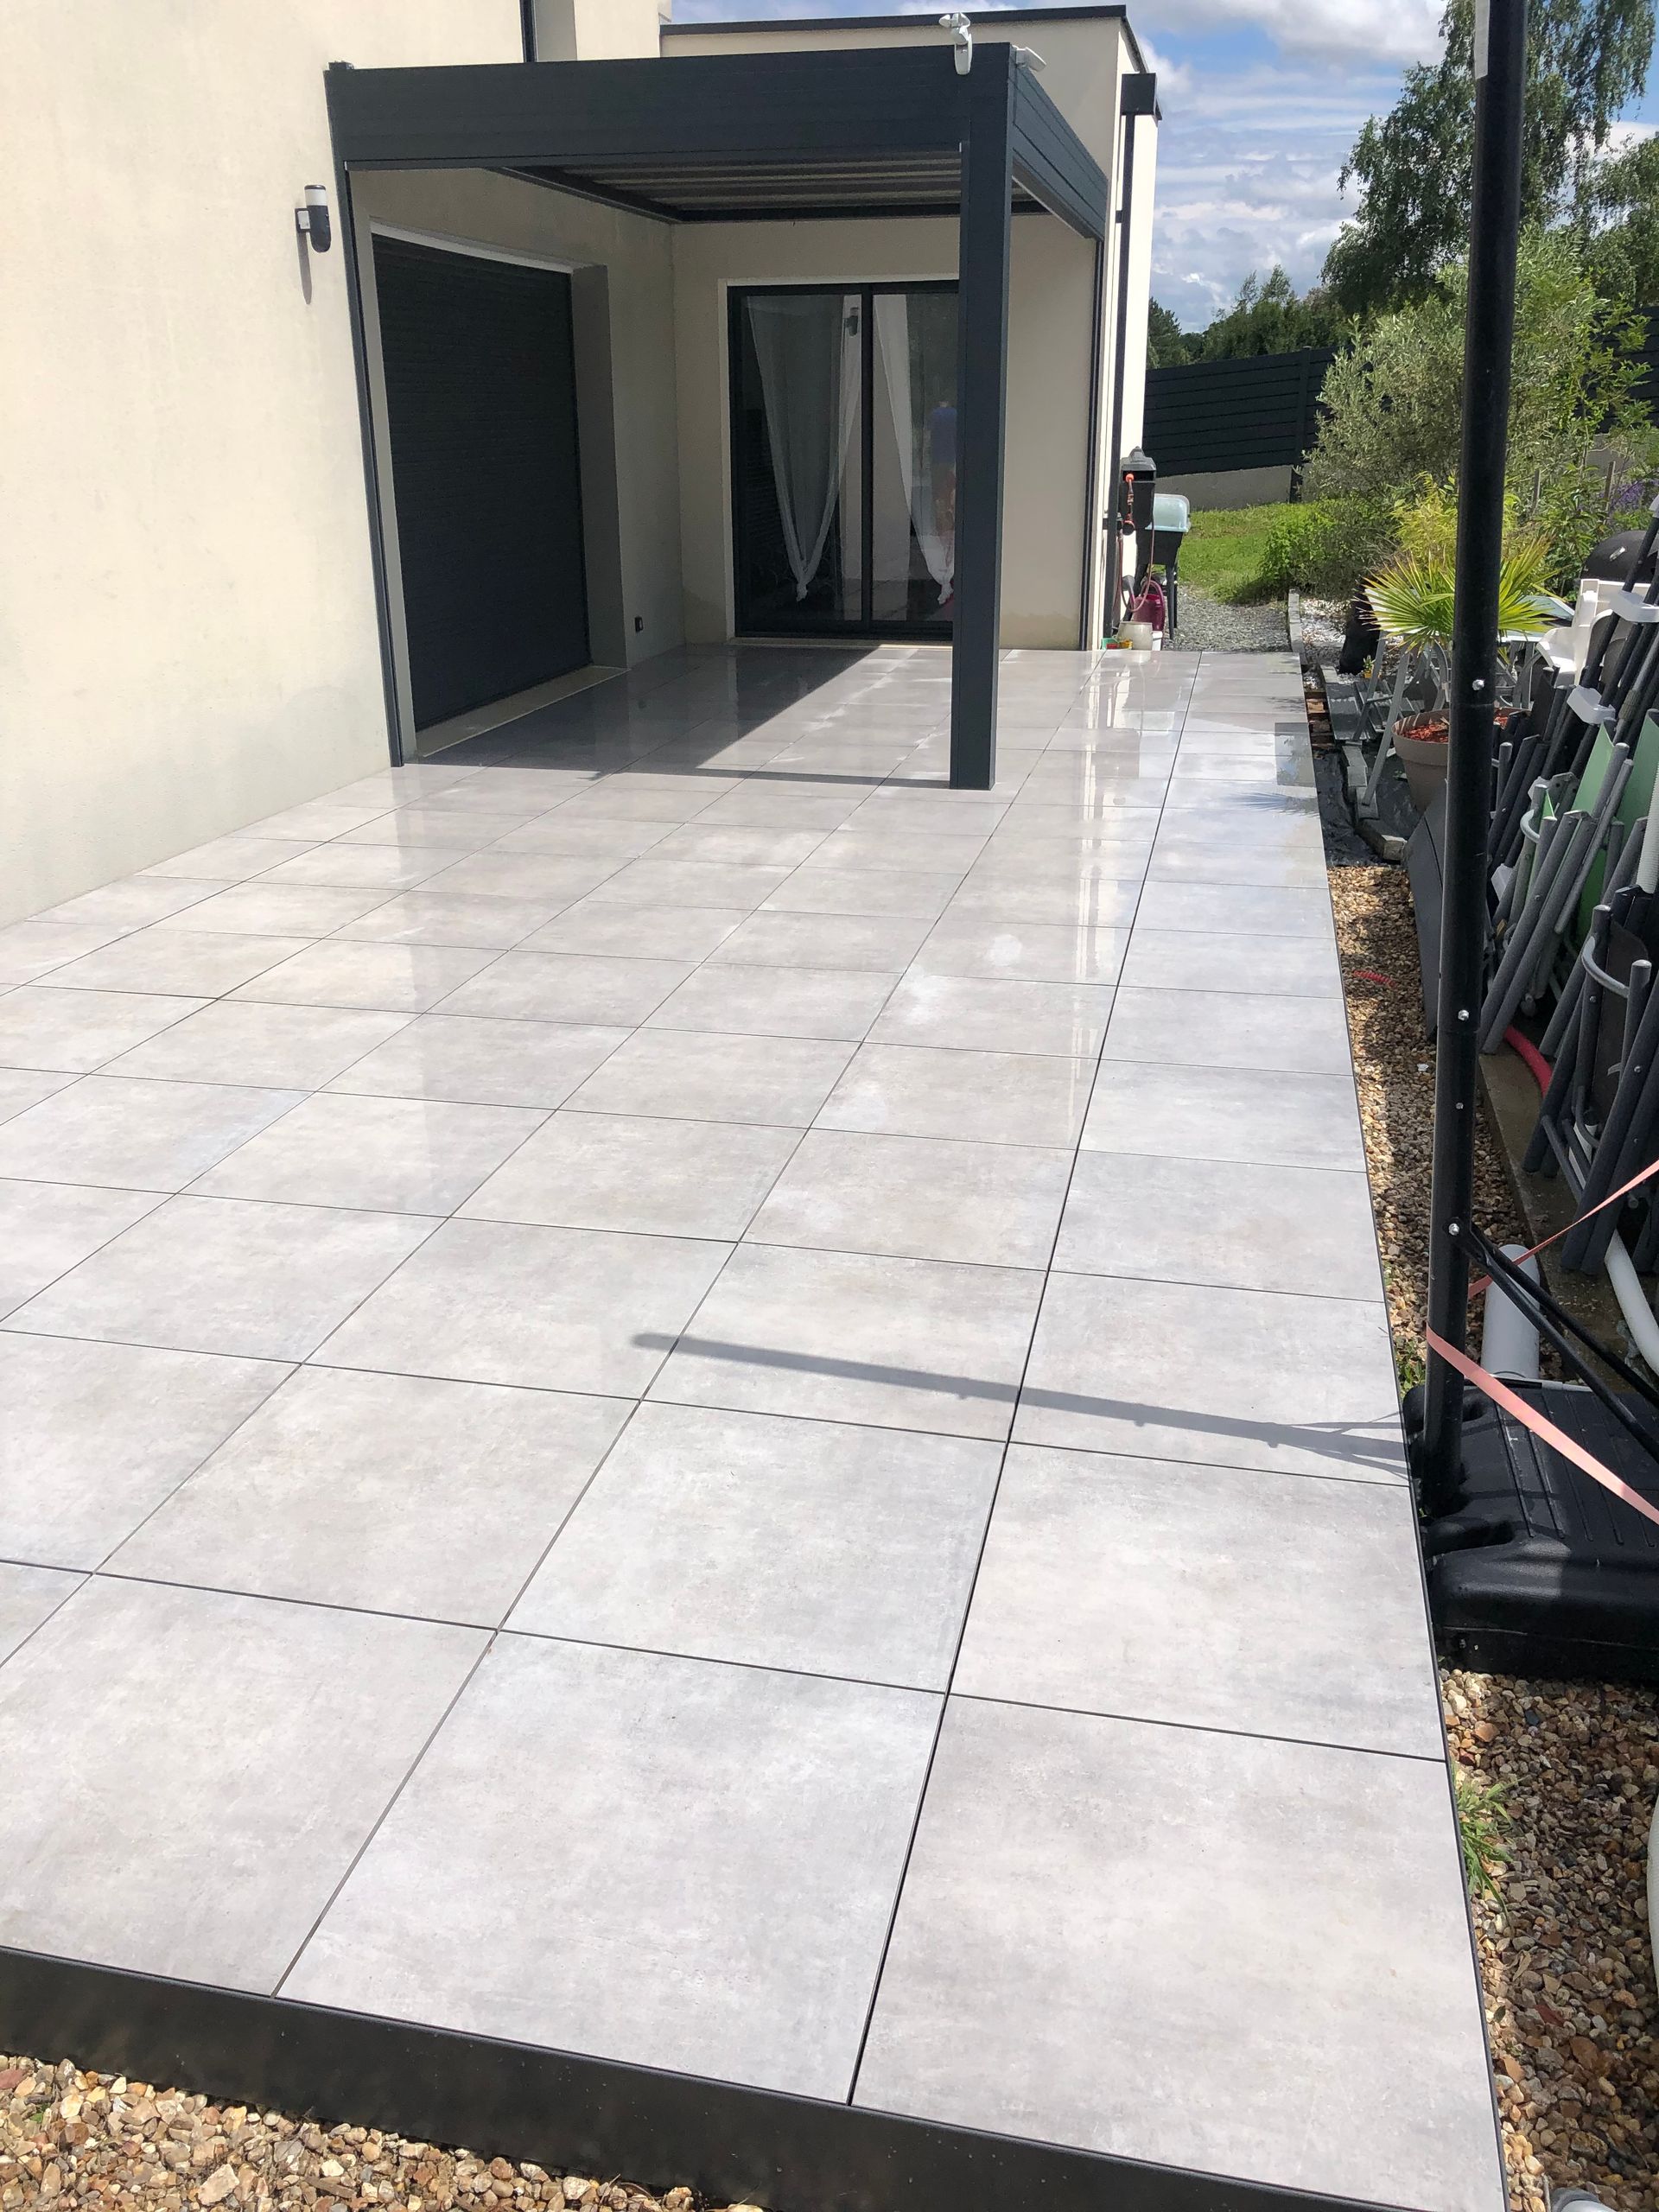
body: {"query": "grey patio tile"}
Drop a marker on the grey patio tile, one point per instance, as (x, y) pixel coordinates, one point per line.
(47, 1228)
(367, 867)
(176, 962)
(968, 944)
(911, 893)
(22, 1088)
(72, 1032)
(1252, 1226)
(97, 1435)
(1244, 909)
(391, 1492)
(207, 1864)
(658, 1177)
(879, 942)
(1063, 1019)
(1294, 1120)
(783, 805)
(1017, 1099)
(129, 1136)
(1070, 902)
(1240, 1378)
(633, 798)
(589, 835)
(807, 1545)
(1241, 1029)
(399, 1155)
(687, 1076)
(607, 989)
(1195, 960)
(29, 950)
(387, 978)
(834, 1003)
(130, 903)
(653, 882)
(417, 826)
(482, 1063)
(1193, 857)
(279, 1047)
(316, 820)
(232, 860)
(739, 844)
(278, 910)
(548, 880)
(1251, 1930)
(682, 933)
(717, 1853)
(435, 917)
(218, 1274)
(917, 1198)
(29, 1595)
(1212, 1597)
(559, 1309)
(839, 1336)
(926, 850)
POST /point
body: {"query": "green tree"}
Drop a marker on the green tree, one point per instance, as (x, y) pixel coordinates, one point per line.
(1167, 344)
(1587, 59)
(1268, 317)
(1619, 215)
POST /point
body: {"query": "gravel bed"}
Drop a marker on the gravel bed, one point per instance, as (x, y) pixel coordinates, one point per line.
(68, 2137)
(1323, 622)
(1213, 626)
(1566, 1771)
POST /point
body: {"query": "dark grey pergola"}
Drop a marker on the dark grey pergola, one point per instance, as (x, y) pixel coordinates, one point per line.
(874, 131)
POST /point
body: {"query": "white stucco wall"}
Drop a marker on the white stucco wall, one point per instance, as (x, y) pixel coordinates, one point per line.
(187, 634)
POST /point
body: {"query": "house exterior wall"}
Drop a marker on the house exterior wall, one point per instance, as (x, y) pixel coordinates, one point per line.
(631, 491)
(188, 628)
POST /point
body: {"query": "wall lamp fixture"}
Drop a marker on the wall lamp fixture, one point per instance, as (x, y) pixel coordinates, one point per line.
(312, 221)
(962, 32)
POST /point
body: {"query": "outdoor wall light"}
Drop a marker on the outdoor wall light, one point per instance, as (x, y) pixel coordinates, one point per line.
(312, 221)
(963, 31)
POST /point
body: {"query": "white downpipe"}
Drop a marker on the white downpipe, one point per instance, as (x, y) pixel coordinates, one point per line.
(1638, 1314)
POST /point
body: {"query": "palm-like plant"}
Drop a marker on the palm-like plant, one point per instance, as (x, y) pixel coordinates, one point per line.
(1412, 597)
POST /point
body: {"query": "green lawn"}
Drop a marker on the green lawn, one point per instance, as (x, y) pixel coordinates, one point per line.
(1222, 549)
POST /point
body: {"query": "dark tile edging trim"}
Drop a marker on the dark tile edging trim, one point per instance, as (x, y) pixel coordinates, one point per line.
(567, 2113)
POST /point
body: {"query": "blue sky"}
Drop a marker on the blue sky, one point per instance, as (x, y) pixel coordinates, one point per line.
(1262, 101)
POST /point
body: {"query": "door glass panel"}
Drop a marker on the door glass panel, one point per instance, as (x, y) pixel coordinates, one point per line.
(798, 462)
(913, 478)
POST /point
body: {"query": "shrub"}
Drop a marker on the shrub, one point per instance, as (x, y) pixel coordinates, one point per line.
(1323, 546)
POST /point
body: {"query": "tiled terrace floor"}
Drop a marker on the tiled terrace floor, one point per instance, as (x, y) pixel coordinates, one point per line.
(668, 1392)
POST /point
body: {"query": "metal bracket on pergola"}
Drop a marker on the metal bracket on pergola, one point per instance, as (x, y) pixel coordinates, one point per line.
(875, 131)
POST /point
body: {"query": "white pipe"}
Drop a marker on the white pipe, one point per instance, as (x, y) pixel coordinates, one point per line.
(1509, 1341)
(1647, 865)
(1638, 1314)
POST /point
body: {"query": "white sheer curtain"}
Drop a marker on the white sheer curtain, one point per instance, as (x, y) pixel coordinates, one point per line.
(807, 345)
(932, 512)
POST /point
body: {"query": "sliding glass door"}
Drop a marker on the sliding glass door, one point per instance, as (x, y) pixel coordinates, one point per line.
(844, 459)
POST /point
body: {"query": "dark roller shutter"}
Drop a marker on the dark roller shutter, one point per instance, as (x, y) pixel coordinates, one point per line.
(481, 415)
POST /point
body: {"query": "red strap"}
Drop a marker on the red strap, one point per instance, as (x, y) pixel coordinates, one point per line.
(1622, 1191)
(1529, 1417)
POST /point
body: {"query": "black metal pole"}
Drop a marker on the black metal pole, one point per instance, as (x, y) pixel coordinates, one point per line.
(1114, 540)
(1489, 331)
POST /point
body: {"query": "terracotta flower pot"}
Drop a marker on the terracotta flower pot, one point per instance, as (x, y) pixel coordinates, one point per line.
(1421, 743)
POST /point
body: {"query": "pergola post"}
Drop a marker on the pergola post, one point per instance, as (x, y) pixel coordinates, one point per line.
(982, 414)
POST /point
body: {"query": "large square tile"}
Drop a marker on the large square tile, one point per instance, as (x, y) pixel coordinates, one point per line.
(661, 1177)
(128, 1135)
(178, 961)
(192, 1853)
(807, 1545)
(232, 860)
(1196, 960)
(391, 1493)
(1224, 909)
(884, 943)
(402, 1155)
(272, 1047)
(28, 1596)
(435, 917)
(1057, 1019)
(73, 1032)
(1237, 1029)
(130, 903)
(558, 1309)
(839, 1004)
(917, 1198)
(568, 987)
(220, 1275)
(697, 1864)
(965, 943)
(1174, 1945)
(22, 1088)
(1227, 1222)
(684, 1075)
(481, 1062)
(386, 869)
(993, 1097)
(384, 978)
(548, 880)
(1259, 1114)
(290, 910)
(1212, 1597)
(96, 1436)
(1240, 1378)
(919, 894)
(683, 933)
(838, 1336)
(46, 1228)
(31, 950)
(742, 887)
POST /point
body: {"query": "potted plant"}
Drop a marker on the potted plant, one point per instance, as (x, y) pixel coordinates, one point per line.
(1412, 600)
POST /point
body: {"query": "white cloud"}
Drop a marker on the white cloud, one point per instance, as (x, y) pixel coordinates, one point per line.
(1369, 31)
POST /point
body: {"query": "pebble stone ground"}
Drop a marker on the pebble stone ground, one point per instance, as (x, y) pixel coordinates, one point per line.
(1563, 1940)
(1213, 626)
